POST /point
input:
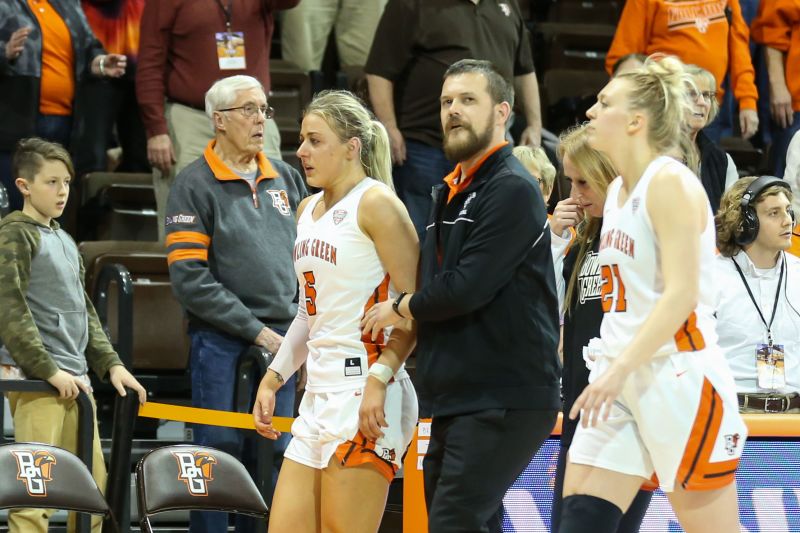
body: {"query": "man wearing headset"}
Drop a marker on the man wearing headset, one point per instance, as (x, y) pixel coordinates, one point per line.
(758, 306)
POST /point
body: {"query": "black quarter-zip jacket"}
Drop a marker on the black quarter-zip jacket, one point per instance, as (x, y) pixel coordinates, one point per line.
(487, 309)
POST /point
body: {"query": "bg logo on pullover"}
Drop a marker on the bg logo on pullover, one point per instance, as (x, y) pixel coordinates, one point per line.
(35, 469)
(280, 201)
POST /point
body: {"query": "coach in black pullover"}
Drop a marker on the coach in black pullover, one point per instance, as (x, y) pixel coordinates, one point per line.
(487, 316)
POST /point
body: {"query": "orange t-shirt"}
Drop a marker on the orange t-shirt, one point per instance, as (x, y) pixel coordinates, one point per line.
(778, 26)
(454, 181)
(698, 32)
(57, 88)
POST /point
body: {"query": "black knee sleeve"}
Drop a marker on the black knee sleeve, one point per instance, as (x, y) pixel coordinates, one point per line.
(589, 514)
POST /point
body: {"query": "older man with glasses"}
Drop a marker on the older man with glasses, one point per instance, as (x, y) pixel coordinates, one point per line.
(230, 231)
(185, 47)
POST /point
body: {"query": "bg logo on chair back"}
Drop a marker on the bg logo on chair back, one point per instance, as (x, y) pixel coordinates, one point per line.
(194, 469)
(35, 469)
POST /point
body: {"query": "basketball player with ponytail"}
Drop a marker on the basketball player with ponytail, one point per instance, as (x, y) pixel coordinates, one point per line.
(660, 406)
(355, 247)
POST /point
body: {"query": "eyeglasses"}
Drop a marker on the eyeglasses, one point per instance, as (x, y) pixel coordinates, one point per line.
(250, 110)
(707, 95)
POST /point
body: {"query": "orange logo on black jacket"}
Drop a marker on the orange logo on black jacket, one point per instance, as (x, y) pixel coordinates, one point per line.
(35, 469)
(194, 469)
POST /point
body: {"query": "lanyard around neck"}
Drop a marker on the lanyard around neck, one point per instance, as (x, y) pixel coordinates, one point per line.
(753, 299)
(228, 11)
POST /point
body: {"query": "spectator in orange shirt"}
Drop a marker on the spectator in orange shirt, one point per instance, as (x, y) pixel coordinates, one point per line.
(116, 25)
(707, 33)
(777, 27)
(47, 53)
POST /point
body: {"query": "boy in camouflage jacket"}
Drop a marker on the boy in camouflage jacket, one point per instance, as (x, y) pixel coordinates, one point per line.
(47, 321)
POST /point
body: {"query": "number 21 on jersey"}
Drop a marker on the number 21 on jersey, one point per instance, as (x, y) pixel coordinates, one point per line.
(612, 292)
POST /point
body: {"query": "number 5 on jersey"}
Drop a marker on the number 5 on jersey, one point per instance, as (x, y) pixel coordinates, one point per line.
(310, 293)
(613, 290)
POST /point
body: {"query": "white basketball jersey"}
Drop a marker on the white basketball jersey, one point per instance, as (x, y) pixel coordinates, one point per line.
(340, 277)
(630, 266)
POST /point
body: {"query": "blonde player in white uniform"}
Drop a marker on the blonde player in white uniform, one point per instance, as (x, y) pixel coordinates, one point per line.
(355, 245)
(661, 405)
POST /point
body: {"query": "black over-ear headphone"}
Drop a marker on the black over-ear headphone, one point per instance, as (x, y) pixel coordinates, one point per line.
(749, 215)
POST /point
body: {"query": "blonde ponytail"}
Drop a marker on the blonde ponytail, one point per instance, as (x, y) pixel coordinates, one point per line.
(377, 158)
(348, 117)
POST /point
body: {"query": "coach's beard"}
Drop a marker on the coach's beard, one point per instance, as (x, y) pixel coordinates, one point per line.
(460, 150)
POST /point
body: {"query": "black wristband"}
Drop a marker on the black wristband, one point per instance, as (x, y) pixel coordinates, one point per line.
(396, 303)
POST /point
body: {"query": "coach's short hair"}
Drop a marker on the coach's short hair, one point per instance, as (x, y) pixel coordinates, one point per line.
(499, 88)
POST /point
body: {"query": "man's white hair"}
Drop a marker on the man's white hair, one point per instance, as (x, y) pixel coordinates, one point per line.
(223, 93)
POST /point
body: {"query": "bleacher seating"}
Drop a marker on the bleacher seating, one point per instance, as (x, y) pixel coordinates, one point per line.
(579, 46)
(290, 93)
(159, 338)
(585, 11)
(118, 206)
(567, 94)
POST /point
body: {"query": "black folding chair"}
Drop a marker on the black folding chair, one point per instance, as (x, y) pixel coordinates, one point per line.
(41, 476)
(187, 477)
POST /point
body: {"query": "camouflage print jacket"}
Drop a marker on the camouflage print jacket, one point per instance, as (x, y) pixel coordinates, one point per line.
(47, 321)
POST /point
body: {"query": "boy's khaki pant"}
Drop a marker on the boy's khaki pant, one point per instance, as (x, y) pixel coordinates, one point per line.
(42, 417)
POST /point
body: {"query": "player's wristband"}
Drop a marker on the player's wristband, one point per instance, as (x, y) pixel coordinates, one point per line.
(381, 372)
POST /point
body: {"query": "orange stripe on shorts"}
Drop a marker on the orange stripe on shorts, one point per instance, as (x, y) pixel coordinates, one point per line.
(361, 451)
(689, 338)
(696, 471)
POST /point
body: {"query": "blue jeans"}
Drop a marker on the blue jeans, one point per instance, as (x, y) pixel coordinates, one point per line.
(54, 128)
(425, 166)
(781, 137)
(213, 367)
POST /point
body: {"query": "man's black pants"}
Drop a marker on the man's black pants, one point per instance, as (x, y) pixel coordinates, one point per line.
(471, 462)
